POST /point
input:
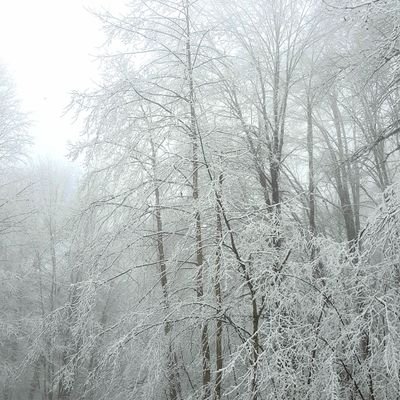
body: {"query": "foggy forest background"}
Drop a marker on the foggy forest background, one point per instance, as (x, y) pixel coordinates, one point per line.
(233, 228)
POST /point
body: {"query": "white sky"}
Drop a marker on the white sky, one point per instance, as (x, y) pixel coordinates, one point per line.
(49, 46)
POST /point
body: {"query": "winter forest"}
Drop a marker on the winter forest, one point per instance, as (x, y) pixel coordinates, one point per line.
(233, 228)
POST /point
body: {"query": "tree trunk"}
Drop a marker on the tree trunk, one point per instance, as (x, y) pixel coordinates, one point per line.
(194, 134)
(173, 375)
(311, 185)
(218, 294)
(343, 179)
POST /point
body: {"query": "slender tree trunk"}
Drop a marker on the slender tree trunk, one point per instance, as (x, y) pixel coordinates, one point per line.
(47, 350)
(53, 290)
(311, 184)
(275, 156)
(173, 376)
(255, 349)
(355, 187)
(35, 382)
(205, 348)
(318, 267)
(343, 179)
(53, 296)
(218, 294)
